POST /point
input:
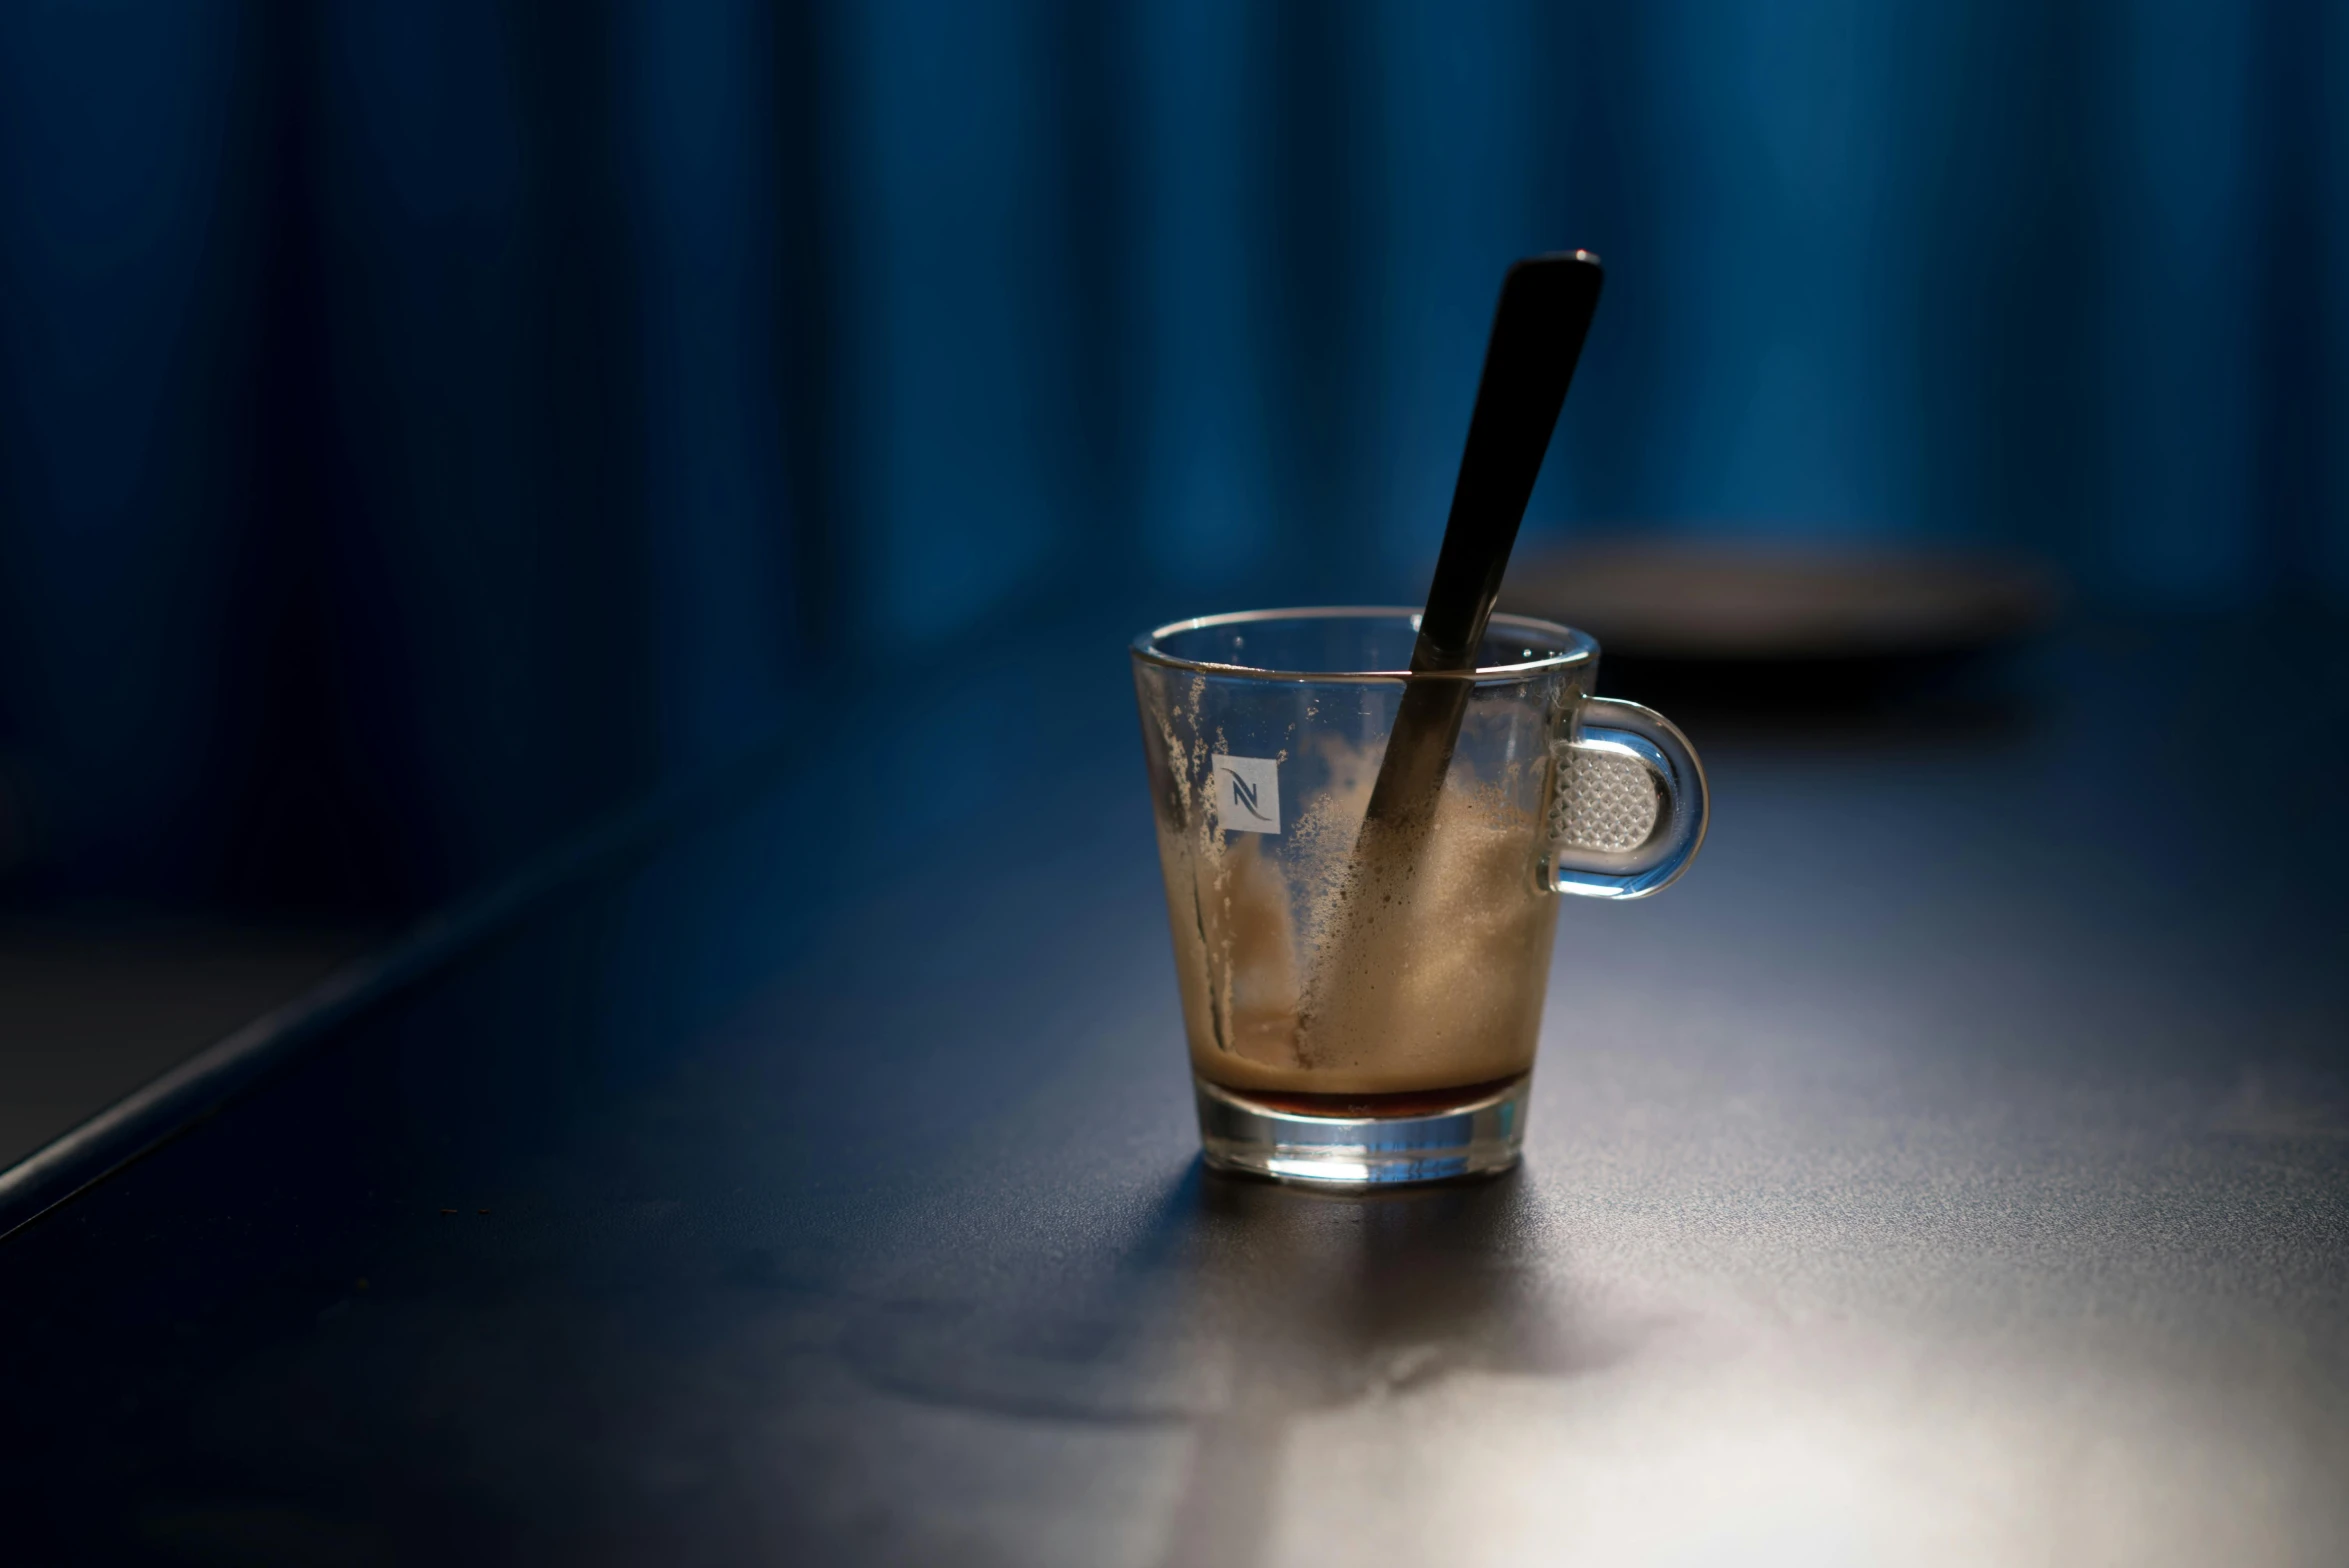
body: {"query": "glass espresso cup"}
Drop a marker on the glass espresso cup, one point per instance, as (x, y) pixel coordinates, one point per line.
(1363, 1007)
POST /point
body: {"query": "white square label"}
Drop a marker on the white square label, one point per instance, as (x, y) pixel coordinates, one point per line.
(1247, 794)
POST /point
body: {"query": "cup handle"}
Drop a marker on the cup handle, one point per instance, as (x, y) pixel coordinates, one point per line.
(1628, 813)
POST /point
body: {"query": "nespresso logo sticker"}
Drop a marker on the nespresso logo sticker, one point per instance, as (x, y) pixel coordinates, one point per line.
(1247, 794)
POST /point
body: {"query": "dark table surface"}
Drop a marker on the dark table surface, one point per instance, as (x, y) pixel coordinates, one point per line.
(1953, 1168)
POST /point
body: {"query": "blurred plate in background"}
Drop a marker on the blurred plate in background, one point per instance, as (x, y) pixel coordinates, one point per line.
(1730, 625)
(1713, 602)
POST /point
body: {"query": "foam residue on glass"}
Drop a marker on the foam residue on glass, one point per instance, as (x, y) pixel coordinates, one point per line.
(1443, 965)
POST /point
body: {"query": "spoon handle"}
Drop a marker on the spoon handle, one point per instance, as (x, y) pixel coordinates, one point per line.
(1544, 314)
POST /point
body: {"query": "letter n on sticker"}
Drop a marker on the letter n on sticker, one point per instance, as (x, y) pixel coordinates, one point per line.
(1247, 794)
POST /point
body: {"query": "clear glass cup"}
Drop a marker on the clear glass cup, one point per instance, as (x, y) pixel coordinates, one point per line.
(1363, 1008)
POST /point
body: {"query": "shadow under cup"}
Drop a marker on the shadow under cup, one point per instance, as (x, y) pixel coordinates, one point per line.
(1364, 1009)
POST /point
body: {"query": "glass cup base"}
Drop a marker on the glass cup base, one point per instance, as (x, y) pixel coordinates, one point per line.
(1378, 1141)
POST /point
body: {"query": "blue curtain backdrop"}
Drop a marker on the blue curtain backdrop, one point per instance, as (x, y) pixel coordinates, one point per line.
(426, 423)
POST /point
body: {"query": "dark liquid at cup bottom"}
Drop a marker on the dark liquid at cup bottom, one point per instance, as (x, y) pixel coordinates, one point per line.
(1409, 1102)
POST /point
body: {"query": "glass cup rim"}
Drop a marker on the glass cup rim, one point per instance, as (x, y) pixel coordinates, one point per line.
(1580, 647)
